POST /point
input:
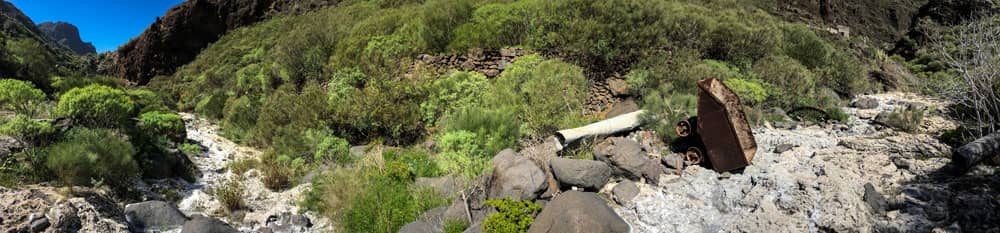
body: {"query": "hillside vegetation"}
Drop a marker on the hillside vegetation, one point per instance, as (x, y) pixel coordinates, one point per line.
(297, 84)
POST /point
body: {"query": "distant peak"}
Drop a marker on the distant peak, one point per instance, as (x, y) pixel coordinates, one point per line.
(67, 35)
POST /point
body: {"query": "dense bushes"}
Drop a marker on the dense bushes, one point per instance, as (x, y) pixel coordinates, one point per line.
(20, 96)
(96, 105)
(87, 156)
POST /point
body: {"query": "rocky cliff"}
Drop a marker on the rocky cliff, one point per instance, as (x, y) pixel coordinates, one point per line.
(68, 35)
(882, 20)
(177, 37)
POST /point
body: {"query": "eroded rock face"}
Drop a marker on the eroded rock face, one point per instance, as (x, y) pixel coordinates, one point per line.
(67, 35)
(578, 212)
(201, 224)
(177, 37)
(515, 176)
(42, 209)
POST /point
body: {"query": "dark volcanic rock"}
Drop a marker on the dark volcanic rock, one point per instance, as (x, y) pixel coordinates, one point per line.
(67, 35)
(580, 212)
(586, 174)
(201, 224)
(177, 37)
(516, 177)
(153, 215)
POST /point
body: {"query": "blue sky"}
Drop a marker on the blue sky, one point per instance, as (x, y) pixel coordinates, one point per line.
(106, 23)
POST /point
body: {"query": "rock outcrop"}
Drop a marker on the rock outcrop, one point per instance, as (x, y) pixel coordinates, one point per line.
(43, 209)
(180, 35)
(578, 212)
(68, 35)
(516, 177)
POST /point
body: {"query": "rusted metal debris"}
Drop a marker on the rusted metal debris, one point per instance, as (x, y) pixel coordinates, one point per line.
(721, 129)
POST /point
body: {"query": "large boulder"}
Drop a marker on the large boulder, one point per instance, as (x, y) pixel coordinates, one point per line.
(153, 216)
(586, 174)
(516, 177)
(578, 212)
(201, 224)
(626, 155)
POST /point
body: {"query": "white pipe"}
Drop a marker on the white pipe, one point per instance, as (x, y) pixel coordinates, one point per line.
(611, 126)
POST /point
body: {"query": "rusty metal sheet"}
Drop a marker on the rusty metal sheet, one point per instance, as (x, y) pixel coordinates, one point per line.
(723, 128)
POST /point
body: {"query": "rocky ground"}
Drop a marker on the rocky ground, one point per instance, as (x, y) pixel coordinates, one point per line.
(860, 176)
(854, 177)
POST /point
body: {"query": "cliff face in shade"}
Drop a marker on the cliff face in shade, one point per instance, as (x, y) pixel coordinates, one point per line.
(176, 38)
(882, 20)
(67, 35)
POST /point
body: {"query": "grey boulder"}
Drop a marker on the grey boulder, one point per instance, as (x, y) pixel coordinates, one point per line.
(587, 174)
(516, 177)
(153, 216)
(578, 212)
(865, 103)
(625, 192)
(625, 155)
(201, 224)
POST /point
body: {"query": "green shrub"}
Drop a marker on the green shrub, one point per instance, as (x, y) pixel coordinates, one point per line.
(495, 26)
(751, 92)
(191, 149)
(25, 129)
(906, 119)
(231, 194)
(511, 216)
(386, 109)
(845, 75)
(802, 44)
(211, 106)
(454, 91)
(837, 114)
(148, 101)
(87, 155)
(790, 83)
(528, 86)
(387, 206)
(461, 154)
(240, 118)
(241, 166)
(64, 84)
(665, 108)
(96, 105)
(417, 160)
(20, 96)
(333, 192)
(495, 129)
(455, 226)
(333, 149)
(169, 125)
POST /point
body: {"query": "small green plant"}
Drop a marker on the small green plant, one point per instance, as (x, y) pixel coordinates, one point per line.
(511, 216)
(231, 194)
(241, 166)
(191, 149)
(460, 154)
(455, 226)
(454, 91)
(906, 119)
(749, 91)
(837, 114)
(333, 149)
(276, 171)
(20, 96)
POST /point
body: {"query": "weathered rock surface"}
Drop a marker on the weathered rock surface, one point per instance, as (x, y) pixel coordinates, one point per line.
(490, 62)
(153, 216)
(202, 224)
(624, 192)
(43, 209)
(515, 176)
(578, 212)
(68, 35)
(865, 103)
(627, 156)
(838, 178)
(587, 174)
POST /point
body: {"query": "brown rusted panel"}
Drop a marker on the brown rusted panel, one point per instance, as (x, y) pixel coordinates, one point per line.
(723, 127)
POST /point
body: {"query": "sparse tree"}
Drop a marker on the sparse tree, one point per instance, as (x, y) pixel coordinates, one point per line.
(973, 52)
